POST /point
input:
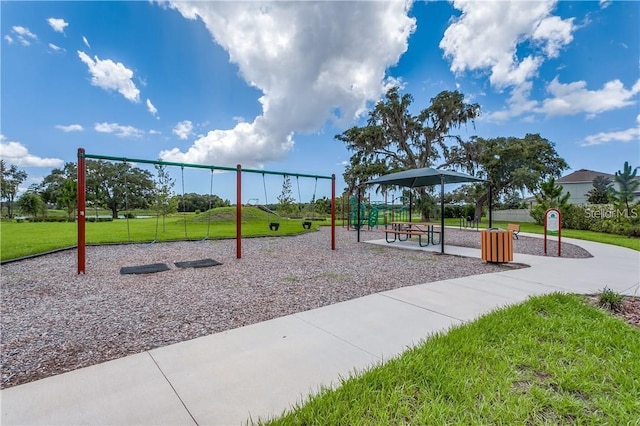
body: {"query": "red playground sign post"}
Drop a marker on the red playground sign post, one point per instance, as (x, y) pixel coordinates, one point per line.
(552, 226)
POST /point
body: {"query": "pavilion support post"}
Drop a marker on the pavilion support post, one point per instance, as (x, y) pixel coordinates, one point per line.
(358, 212)
(442, 214)
(410, 203)
(81, 220)
(333, 212)
(239, 212)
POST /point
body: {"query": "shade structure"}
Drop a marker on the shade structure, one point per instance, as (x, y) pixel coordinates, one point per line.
(426, 176)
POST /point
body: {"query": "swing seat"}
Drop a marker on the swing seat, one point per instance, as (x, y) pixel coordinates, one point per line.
(306, 224)
(274, 226)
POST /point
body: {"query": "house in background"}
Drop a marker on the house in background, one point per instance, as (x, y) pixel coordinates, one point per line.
(580, 182)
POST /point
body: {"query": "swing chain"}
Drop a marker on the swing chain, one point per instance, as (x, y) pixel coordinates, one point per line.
(126, 199)
(184, 203)
(209, 209)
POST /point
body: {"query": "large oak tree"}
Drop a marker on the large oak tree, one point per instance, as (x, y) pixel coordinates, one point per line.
(119, 186)
(508, 163)
(395, 139)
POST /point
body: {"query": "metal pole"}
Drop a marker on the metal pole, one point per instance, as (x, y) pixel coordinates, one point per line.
(82, 191)
(333, 212)
(559, 233)
(358, 214)
(238, 211)
(410, 202)
(386, 211)
(441, 214)
(545, 233)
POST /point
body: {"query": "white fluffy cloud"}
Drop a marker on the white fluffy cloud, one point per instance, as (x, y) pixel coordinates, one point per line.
(24, 36)
(575, 98)
(57, 24)
(183, 129)
(18, 154)
(119, 130)
(313, 62)
(487, 34)
(70, 128)
(628, 135)
(86, 42)
(152, 109)
(567, 99)
(109, 75)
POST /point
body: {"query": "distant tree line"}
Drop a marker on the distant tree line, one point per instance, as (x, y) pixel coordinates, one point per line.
(193, 202)
(113, 186)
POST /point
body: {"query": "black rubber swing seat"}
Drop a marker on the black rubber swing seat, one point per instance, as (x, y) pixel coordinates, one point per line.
(306, 224)
(203, 263)
(144, 269)
(274, 226)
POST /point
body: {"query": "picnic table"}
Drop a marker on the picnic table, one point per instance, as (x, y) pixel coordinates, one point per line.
(402, 231)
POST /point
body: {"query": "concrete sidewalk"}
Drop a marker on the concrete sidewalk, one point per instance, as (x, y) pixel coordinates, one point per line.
(262, 369)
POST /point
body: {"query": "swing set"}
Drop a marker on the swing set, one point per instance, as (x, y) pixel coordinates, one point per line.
(274, 225)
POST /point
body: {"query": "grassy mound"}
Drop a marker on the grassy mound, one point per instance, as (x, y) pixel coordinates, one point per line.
(228, 214)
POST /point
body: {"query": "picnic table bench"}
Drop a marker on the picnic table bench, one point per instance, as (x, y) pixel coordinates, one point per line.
(515, 228)
(402, 231)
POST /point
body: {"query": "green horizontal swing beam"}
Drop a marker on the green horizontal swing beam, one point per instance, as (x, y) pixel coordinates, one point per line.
(198, 166)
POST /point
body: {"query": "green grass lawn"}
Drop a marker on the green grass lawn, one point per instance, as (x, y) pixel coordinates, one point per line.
(22, 239)
(552, 360)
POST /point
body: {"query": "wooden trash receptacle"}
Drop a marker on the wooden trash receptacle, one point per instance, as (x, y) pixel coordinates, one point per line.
(497, 245)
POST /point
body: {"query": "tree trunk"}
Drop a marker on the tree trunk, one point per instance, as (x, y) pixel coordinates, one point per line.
(628, 209)
(480, 204)
(424, 213)
(114, 210)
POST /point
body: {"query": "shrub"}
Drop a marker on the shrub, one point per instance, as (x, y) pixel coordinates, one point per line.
(537, 213)
(611, 300)
(99, 219)
(47, 219)
(576, 217)
(632, 230)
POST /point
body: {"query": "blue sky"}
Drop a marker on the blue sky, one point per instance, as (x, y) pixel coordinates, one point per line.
(268, 85)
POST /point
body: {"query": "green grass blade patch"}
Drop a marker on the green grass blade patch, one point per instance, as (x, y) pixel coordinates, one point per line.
(552, 360)
(23, 239)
